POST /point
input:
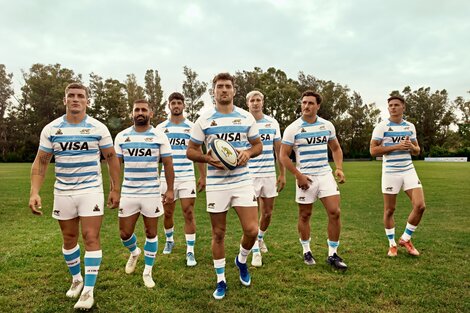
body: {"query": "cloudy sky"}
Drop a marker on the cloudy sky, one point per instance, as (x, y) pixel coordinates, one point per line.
(372, 46)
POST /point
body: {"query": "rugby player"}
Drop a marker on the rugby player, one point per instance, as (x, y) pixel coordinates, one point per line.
(395, 140)
(263, 170)
(309, 137)
(76, 140)
(227, 188)
(140, 147)
(178, 130)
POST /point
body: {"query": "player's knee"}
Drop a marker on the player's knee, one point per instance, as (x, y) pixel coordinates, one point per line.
(267, 215)
(334, 214)
(168, 213)
(125, 235)
(218, 235)
(91, 237)
(188, 214)
(150, 233)
(251, 231)
(305, 216)
(419, 207)
(70, 240)
(389, 211)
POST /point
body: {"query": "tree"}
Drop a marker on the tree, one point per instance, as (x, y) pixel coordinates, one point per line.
(193, 90)
(154, 92)
(464, 122)
(133, 90)
(6, 92)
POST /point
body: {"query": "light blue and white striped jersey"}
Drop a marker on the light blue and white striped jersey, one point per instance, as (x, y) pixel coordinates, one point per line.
(76, 148)
(390, 134)
(310, 144)
(237, 127)
(141, 152)
(264, 164)
(178, 135)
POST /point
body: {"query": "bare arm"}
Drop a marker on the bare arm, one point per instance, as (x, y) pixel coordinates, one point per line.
(302, 180)
(201, 183)
(38, 173)
(114, 167)
(167, 162)
(281, 179)
(337, 153)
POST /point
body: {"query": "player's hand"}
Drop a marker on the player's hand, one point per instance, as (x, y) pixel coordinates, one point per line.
(35, 204)
(113, 199)
(303, 182)
(201, 184)
(281, 182)
(405, 144)
(168, 197)
(340, 177)
(214, 162)
(243, 157)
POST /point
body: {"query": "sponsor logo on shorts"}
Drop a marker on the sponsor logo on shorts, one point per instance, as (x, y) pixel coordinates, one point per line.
(56, 212)
(157, 210)
(211, 206)
(96, 209)
(213, 123)
(128, 139)
(85, 131)
(389, 189)
(301, 198)
(238, 121)
(59, 132)
(149, 139)
(193, 192)
(121, 210)
(254, 198)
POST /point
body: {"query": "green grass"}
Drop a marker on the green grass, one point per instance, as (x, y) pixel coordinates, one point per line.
(34, 277)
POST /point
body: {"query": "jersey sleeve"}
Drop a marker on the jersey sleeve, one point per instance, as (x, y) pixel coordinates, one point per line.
(378, 133)
(289, 136)
(106, 140)
(45, 143)
(117, 145)
(197, 134)
(277, 135)
(413, 132)
(165, 147)
(253, 131)
(332, 129)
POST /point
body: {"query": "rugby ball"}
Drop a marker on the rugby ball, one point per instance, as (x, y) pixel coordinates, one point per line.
(224, 152)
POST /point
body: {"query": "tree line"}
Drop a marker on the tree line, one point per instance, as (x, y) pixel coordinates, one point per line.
(443, 125)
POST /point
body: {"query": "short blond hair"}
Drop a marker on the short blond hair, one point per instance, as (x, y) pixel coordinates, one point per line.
(254, 93)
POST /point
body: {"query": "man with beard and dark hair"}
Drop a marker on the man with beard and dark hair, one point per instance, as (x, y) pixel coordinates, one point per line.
(140, 147)
(178, 129)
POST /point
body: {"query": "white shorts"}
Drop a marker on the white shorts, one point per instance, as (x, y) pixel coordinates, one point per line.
(392, 183)
(322, 186)
(265, 187)
(147, 206)
(219, 201)
(182, 189)
(67, 207)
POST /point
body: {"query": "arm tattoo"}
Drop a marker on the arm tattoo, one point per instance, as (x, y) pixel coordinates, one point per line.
(110, 155)
(43, 161)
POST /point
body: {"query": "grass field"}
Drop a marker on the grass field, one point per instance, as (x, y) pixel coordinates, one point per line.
(34, 277)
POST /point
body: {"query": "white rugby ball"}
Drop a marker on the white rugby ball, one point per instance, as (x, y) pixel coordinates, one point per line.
(224, 152)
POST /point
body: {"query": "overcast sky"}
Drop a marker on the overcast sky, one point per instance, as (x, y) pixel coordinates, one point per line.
(371, 46)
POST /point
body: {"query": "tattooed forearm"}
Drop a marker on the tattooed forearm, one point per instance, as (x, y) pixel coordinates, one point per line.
(110, 155)
(41, 163)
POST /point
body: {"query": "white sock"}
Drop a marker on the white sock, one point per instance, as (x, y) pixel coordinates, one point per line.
(169, 234)
(219, 266)
(409, 230)
(243, 254)
(390, 232)
(190, 242)
(255, 248)
(332, 247)
(305, 245)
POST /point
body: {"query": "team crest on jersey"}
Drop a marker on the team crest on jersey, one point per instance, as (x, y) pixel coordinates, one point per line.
(322, 127)
(303, 130)
(213, 123)
(211, 206)
(187, 130)
(85, 131)
(390, 129)
(96, 209)
(267, 125)
(407, 128)
(149, 139)
(166, 131)
(56, 212)
(238, 121)
(59, 132)
(128, 139)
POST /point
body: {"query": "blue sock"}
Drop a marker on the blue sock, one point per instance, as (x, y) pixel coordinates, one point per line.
(72, 258)
(131, 244)
(92, 266)
(150, 250)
